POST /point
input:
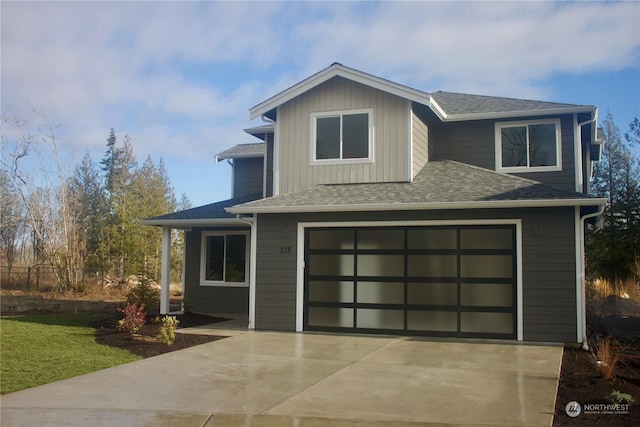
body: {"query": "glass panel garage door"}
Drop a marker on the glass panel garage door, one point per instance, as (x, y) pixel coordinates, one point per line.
(442, 281)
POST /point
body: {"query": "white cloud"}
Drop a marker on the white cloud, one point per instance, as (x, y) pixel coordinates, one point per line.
(180, 76)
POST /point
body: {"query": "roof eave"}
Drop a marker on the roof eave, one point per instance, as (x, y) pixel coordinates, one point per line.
(239, 156)
(188, 223)
(514, 114)
(490, 204)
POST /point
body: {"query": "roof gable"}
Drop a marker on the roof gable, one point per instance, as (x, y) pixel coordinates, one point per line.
(330, 72)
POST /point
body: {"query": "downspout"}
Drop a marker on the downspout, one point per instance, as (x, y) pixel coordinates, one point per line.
(599, 212)
(580, 178)
(252, 267)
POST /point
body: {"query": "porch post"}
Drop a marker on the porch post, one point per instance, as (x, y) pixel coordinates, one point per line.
(165, 273)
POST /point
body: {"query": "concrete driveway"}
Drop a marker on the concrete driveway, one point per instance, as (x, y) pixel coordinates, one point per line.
(287, 379)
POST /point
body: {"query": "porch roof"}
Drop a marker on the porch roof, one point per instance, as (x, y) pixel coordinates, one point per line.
(207, 215)
(243, 151)
(441, 184)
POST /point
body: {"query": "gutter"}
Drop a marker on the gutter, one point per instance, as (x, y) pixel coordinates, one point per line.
(187, 223)
(363, 207)
(599, 212)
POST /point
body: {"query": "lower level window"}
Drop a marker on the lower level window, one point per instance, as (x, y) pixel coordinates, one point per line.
(224, 259)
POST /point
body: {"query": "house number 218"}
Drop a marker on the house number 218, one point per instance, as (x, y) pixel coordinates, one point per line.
(285, 249)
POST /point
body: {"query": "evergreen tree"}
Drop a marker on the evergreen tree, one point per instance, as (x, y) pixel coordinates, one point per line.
(612, 251)
(119, 165)
(90, 204)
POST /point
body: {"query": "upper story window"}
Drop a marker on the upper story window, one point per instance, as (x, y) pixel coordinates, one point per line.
(224, 259)
(342, 137)
(532, 146)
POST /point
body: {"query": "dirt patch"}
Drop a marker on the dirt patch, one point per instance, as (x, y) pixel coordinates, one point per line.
(582, 382)
(145, 344)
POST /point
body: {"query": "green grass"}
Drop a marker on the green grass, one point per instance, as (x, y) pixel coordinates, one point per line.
(38, 349)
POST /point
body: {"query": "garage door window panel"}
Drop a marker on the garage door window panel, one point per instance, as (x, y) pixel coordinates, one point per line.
(486, 238)
(331, 317)
(432, 293)
(434, 321)
(486, 294)
(434, 239)
(331, 239)
(331, 264)
(486, 266)
(433, 266)
(380, 265)
(380, 319)
(331, 291)
(380, 292)
(487, 323)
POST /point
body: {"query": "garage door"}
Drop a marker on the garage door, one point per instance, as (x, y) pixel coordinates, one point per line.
(439, 281)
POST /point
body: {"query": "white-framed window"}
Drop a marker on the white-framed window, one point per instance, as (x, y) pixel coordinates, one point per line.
(532, 146)
(224, 259)
(342, 137)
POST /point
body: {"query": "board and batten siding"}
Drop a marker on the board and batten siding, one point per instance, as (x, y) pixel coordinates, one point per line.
(548, 265)
(248, 176)
(419, 143)
(390, 129)
(209, 299)
(474, 143)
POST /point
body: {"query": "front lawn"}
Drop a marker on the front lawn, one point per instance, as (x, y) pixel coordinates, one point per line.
(37, 349)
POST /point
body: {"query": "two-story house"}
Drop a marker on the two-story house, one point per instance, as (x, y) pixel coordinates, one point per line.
(371, 207)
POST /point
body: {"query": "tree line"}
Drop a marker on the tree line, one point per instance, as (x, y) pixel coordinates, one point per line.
(613, 250)
(86, 217)
(83, 217)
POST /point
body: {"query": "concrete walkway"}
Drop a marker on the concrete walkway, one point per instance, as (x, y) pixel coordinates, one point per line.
(287, 379)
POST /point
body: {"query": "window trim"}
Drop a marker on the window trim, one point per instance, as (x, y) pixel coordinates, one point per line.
(526, 123)
(203, 256)
(340, 113)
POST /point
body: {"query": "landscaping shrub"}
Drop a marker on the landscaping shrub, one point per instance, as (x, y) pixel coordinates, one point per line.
(134, 318)
(607, 356)
(167, 333)
(619, 398)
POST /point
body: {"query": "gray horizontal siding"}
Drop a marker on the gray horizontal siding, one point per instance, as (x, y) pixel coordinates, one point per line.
(473, 143)
(275, 274)
(248, 176)
(209, 299)
(548, 266)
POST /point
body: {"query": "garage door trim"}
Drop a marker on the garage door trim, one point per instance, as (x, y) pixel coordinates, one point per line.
(300, 297)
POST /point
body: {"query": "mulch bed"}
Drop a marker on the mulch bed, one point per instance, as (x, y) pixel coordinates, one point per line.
(144, 343)
(581, 381)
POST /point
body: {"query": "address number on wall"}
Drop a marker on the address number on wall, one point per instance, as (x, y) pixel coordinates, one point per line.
(285, 249)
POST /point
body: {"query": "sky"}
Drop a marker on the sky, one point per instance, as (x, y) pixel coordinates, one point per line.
(180, 77)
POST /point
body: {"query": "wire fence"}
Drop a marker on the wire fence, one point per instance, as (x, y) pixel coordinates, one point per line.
(35, 278)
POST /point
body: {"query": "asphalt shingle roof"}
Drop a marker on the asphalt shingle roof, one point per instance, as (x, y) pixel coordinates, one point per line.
(440, 181)
(243, 150)
(461, 103)
(210, 211)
